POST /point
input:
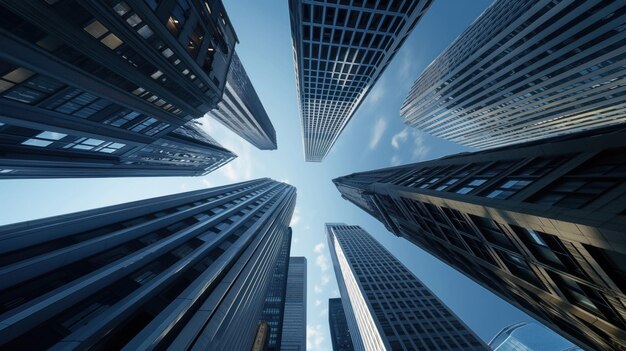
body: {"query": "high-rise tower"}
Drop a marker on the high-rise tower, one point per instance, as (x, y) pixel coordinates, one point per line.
(183, 271)
(339, 330)
(386, 306)
(539, 224)
(294, 318)
(340, 51)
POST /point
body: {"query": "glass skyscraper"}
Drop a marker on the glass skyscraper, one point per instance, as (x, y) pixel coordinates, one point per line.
(184, 271)
(241, 109)
(386, 306)
(339, 330)
(539, 224)
(294, 318)
(526, 70)
(100, 88)
(340, 51)
(529, 337)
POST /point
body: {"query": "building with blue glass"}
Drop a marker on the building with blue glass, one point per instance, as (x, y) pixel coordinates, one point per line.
(339, 331)
(529, 337)
(386, 306)
(294, 316)
(526, 70)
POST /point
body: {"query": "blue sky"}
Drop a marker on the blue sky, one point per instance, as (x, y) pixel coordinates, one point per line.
(376, 137)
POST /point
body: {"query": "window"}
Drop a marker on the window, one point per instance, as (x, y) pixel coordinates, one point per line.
(506, 188)
(44, 139)
(471, 184)
(97, 145)
(99, 31)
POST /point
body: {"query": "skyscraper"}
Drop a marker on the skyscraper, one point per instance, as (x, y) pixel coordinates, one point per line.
(241, 109)
(274, 308)
(386, 306)
(539, 224)
(525, 70)
(294, 319)
(100, 88)
(340, 51)
(339, 330)
(183, 271)
(529, 337)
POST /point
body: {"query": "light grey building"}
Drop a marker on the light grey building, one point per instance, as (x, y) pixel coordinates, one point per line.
(184, 271)
(294, 318)
(241, 109)
(526, 70)
(386, 306)
(340, 51)
(539, 224)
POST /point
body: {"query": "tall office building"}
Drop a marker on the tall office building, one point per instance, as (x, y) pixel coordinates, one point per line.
(539, 224)
(526, 70)
(340, 51)
(274, 307)
(294, 318)
(241, 109)
(184, 271)
(339, 330)
(98, 88)
(386, 306)
(529, 337)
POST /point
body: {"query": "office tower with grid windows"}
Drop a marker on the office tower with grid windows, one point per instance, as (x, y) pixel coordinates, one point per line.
(294, 317)
(540, 224)
(274, 307)
(386, 306)
(525, 336)
(340, 51)
(184, 271)
(339, 330)
(241, 109)
(523, 71)
(105, 88)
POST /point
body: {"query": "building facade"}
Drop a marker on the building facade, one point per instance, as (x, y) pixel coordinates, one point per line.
(529, 337)
(183, 271)
(99, 88)
(387, 307)
(340, 51)
(241, 109)
(525, 70)
(539, 224)
(294, 317)
(274, 308)
(339, 330)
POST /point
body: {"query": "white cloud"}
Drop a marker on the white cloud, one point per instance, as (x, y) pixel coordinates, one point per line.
(324, 311)
(322, 262)
(377, 93)
(420, 150)
(399, 138)
(395, 160)
(318, 302)
(377, 132)
(319, 247)
(295, 219)
(206, 182)
(325, 279)
(317, 289)
(314, 337)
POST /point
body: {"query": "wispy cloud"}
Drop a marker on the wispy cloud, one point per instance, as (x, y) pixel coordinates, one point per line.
(322, 262)
(318, 302)
(324, 312)
(396, 160)
(314, 337)
(325, 279)
(295, 219)
(319, 247)
(399, 141)
(399, 138)
(377, 93)
(317, 289)
(377, 132)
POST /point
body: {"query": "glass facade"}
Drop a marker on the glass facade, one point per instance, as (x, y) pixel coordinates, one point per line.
(525, 70)
(340, 51)
(529, 337)
(523, 221)
(182, 271)
(294, 317)
(339, 330)
(386, 306)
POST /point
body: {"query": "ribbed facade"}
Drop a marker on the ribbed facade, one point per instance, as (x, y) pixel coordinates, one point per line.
(526, 70)
(274, 307)
(294, 318)
(98, 88)
(241, 109)
(340, 51)
(338, 324)
(539, 224)
(184, 271)
(386, 306)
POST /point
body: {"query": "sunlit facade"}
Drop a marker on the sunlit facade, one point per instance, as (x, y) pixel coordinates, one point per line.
(340, 50)
(539, 224)
(526, 70)
(386, 306)
(184, 271)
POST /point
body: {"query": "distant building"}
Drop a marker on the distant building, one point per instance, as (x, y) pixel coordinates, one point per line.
(339, 330)
(261, 337)
(539, 224)
(274, 308)
(340, 51)
(99, 88)
(529, 337)
(294, 320)
(525, 70)
(241, 109)
(386, 306)
(184, 271)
